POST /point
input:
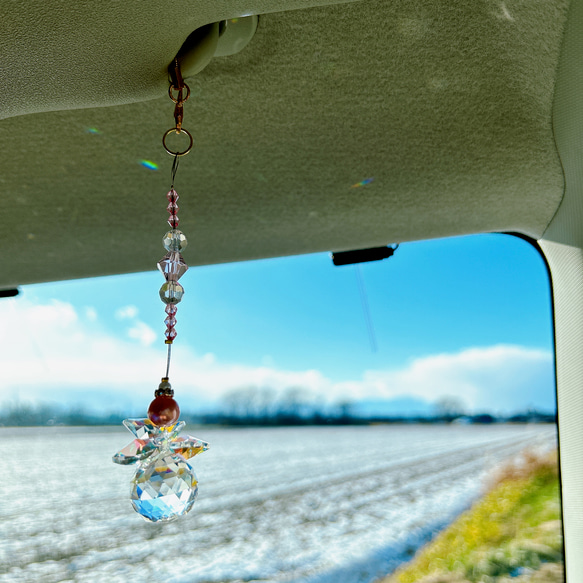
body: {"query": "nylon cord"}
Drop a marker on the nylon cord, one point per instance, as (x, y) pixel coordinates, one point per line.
(366, 309)
(174, 169)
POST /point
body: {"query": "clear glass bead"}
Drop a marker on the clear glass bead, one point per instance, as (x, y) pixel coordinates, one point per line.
(171, 292)
(174, 240)
(172, 266)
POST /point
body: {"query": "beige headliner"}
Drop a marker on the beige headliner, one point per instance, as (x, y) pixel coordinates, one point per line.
(446, 104)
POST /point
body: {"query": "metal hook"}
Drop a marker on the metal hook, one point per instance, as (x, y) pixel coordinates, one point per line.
(177, 84)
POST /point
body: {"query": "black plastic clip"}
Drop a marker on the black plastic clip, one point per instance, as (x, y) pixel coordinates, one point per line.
(363, 255)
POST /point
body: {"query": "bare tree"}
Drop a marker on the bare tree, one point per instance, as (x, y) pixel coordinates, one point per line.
(241, 403)
(449, 407)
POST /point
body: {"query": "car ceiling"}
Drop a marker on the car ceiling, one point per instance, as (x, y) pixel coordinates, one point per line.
(446, 106)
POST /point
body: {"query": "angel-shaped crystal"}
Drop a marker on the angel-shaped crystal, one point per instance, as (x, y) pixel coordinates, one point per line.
(164, 485)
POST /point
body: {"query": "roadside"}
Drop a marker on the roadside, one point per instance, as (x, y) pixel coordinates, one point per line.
(512, 535)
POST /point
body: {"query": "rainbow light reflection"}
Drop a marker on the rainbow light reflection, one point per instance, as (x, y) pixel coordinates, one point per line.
(149, 164)
(362, 183)
(93, 131)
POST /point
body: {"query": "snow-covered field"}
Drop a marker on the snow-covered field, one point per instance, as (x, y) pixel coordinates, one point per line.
(317, 505)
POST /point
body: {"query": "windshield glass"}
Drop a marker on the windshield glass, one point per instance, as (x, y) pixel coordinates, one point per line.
(352, 413)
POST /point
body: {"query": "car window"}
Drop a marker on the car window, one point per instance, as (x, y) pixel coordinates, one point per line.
(353, 414)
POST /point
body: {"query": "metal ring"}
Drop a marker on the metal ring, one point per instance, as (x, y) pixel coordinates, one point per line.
(180, 131)
(175, 89)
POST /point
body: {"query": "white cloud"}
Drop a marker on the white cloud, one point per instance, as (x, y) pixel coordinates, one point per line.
(48, 353)
(91, 314)
(501, 377)
(126, 313)
(138, 330)
(55, 314)
(141, 332)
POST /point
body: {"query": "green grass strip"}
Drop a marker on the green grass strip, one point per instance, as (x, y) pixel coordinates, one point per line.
(515, 525)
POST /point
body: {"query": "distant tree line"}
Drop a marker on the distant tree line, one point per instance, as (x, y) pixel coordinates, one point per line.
(266, 407)
(26, 414)
(253, 406)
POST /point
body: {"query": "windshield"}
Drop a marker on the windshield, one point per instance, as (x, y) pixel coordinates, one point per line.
(352, 412)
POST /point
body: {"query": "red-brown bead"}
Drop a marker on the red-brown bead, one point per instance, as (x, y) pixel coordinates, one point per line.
(163, 411)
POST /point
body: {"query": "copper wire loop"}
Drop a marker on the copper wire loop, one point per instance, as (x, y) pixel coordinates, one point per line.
(178, 116)
(178, 99)
(178, 131)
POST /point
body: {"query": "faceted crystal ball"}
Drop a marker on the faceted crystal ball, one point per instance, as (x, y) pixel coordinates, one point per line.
(171, 292)
(164, 485)
(174, 240)
(164, 489)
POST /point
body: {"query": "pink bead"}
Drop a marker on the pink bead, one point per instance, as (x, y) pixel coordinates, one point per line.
(173, 208)
(170, 322)
(171, 309)
(173, 221)
(170, 334)
(172, 196)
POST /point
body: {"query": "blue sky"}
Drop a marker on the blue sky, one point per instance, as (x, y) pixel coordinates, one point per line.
(468, 317)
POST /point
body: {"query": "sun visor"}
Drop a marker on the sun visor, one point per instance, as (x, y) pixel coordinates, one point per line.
(58, 56)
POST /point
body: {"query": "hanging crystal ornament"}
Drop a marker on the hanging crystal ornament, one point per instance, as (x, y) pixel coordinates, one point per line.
(164, 485)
